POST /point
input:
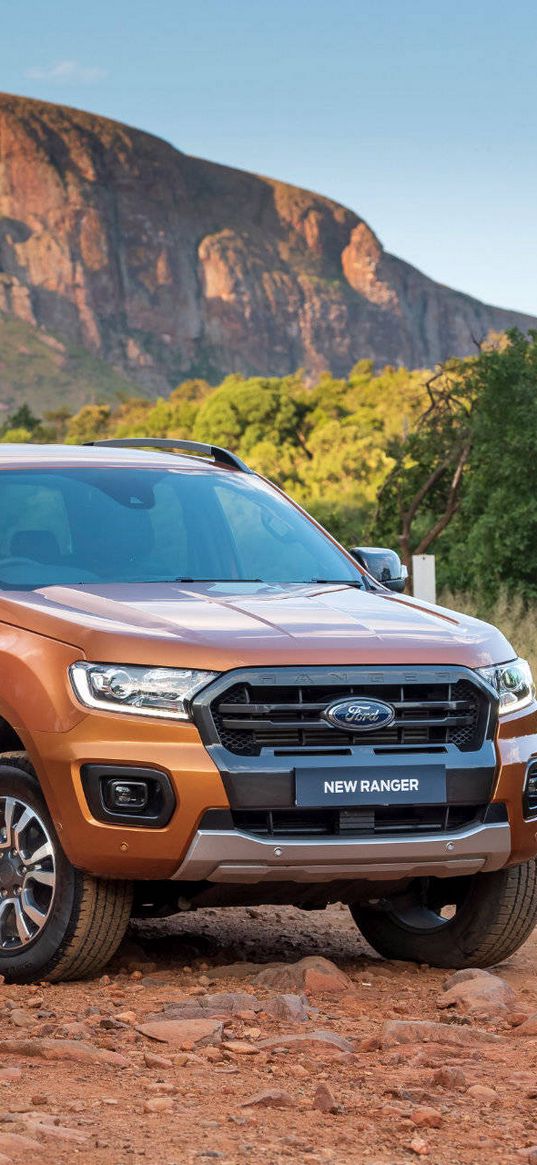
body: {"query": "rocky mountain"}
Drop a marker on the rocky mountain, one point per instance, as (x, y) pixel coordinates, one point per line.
(47, 373)
(167, 266)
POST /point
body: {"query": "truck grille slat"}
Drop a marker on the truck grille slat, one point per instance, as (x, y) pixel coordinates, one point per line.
(226, 708)
(252, 725)
(382, 821)
(250, 717)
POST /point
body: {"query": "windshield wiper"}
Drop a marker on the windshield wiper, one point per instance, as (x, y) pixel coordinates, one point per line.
(185, 579)
(301, 582)
(340, 582)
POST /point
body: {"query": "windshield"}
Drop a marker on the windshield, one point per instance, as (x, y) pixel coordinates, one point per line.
(123, 525)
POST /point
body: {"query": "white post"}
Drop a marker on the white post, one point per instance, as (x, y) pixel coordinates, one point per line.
(424, 577)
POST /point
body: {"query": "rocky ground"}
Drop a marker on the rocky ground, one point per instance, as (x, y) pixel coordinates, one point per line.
(265, 1036)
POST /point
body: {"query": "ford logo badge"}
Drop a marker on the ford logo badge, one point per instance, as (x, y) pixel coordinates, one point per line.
(359, 714)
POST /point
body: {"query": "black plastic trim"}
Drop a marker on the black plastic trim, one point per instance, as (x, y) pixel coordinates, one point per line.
(217, 819)
(252, 789)
(162, 801)
(529, 804)
(338, 822)
(496, 814)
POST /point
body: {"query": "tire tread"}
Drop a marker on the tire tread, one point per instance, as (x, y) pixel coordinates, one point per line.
(516, 915)
(104, 913)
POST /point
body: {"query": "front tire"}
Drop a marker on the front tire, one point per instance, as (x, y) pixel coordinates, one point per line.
(56, 922)
(476, 921)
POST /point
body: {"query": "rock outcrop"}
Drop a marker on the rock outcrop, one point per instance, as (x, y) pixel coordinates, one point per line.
(167, 266)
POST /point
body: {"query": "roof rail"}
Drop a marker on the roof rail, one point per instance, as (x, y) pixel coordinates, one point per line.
(169, 445)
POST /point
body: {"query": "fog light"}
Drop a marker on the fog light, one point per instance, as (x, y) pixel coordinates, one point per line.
(130, 796)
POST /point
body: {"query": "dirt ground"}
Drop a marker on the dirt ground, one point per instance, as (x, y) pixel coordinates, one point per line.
(250, 1091)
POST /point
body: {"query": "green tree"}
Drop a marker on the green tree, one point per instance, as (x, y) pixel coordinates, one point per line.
(22, 420)
(242, 413)
(90, 424)
(497, 529)
(16, 436)
(465, 476)
(421, 496)
(53, 427)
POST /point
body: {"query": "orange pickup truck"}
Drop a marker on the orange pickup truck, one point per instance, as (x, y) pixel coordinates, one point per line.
(205, 700)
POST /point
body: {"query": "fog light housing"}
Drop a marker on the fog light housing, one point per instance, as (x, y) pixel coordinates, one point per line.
(126, 796)
(529, 800)
(130, 795)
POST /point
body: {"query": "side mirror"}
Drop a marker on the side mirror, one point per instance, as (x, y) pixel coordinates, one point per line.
(385, 565)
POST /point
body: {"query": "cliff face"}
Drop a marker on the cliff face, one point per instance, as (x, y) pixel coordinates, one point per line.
(167, 266)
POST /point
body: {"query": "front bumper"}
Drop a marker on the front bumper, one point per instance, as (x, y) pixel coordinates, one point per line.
(201, 783)
(232, 856)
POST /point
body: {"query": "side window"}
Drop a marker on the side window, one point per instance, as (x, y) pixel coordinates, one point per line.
(33, 521)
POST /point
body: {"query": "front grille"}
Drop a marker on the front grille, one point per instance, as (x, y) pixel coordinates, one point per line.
(381, 821)
(250, 717)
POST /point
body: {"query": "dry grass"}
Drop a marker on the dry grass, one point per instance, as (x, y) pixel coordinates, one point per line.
(510, 613)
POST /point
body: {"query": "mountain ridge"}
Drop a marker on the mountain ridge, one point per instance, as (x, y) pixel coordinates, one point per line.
(167, 266)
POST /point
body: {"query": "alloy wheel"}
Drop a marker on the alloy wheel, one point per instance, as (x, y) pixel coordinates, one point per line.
(27, 874)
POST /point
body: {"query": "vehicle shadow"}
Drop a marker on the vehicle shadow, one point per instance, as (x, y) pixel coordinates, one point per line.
(259, 934)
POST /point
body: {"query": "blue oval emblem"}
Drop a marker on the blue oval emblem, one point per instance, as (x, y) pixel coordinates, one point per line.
(359, 714)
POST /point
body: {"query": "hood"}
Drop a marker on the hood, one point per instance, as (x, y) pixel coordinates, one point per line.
(218, 626)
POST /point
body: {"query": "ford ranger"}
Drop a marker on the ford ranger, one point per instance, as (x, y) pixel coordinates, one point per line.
(205, 700)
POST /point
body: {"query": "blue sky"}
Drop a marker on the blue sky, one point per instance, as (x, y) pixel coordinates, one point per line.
(421, 115)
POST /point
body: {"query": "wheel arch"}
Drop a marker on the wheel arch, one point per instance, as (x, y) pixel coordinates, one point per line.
(10, 740)
(15, 741)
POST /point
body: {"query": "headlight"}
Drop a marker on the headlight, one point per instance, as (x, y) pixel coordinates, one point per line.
(140, 691)
(513, 682)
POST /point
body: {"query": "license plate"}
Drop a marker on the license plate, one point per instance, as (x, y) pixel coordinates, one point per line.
(386, 785)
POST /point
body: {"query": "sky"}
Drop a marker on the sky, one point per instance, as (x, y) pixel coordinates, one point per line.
(420, 115)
